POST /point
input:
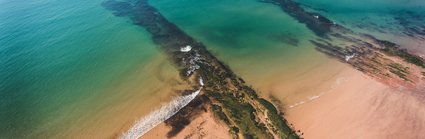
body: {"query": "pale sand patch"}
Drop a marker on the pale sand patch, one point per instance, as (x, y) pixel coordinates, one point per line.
(204, 126)
(360, 107)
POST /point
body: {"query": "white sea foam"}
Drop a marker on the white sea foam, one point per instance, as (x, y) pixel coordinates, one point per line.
(296, 104)
(337, 82)
(313, 97)
(156, 117)
(193, 64)
(310, 98)
(187, 48)
(201, 82)
(348, 57)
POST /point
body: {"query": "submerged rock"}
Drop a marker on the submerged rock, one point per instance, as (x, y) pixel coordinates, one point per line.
(366, 53)
(226, 94)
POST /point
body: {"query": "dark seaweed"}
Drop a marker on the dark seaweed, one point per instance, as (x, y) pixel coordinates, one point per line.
(183, 118)
(229, 105)
(392, 49)
(317, 23)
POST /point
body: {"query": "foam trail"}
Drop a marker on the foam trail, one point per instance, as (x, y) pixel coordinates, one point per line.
(201, 82)
(156, 117)
(348, 57)
(338, 82)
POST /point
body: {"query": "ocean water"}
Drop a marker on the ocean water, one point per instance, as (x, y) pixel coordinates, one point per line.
(401, 21)
(247, 37)
(66, 62)
(257, 40)
(70, 69)
(252, 38)
(350, 6)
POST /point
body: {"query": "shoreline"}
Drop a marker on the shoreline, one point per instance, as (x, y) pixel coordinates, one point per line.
(203, 126)
(377, 112)
(383, 60)
(227, 95)
(235, 102)
(336, 113)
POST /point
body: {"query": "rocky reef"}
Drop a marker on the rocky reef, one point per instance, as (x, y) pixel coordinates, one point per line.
(223, 93)
(381, 59)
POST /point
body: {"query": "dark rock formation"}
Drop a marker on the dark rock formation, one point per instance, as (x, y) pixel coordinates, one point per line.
(227, 95)
(364, 52)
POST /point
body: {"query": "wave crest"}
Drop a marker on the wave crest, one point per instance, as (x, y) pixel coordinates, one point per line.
(156, 117)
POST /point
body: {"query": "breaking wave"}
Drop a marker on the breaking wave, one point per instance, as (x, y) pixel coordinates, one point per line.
(338, 82)
(156, 117)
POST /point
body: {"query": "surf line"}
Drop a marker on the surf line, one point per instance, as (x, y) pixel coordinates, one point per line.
(338, 81)
(145, 124)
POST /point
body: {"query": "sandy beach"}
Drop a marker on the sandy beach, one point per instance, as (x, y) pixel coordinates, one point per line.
(360, 107)
(323, 97)
(204, 126)
(326, 100)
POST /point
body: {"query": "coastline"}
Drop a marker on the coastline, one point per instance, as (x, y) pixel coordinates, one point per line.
(223, 92)
(377, 112)
(203, 126)
(228, 95)
(333, 100)
(361, 107)
(279, 69)
(114, 114)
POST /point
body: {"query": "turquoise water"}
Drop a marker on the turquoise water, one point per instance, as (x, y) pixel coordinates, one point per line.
(247, 35)
(387, 19)
(59, 57)
(57, 53)
(349, 6)
(232, 26)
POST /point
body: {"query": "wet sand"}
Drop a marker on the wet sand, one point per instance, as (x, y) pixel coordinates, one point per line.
(330, 99)
(360, 107)
(334, 101)
(323, 98)
(352, 105)
(203, 126)
(339, 103)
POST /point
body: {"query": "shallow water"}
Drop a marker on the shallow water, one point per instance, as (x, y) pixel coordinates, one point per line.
(246, 38)
(401, 21)
(253, 41)
(61, 59)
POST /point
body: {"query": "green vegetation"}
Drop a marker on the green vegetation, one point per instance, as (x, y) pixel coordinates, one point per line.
(278, 104)
(391, 49)
(283, 130)
(237, 110)
(243, 116)
(269, 106)
(218, 111)
(229, 97)
(399, 70)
